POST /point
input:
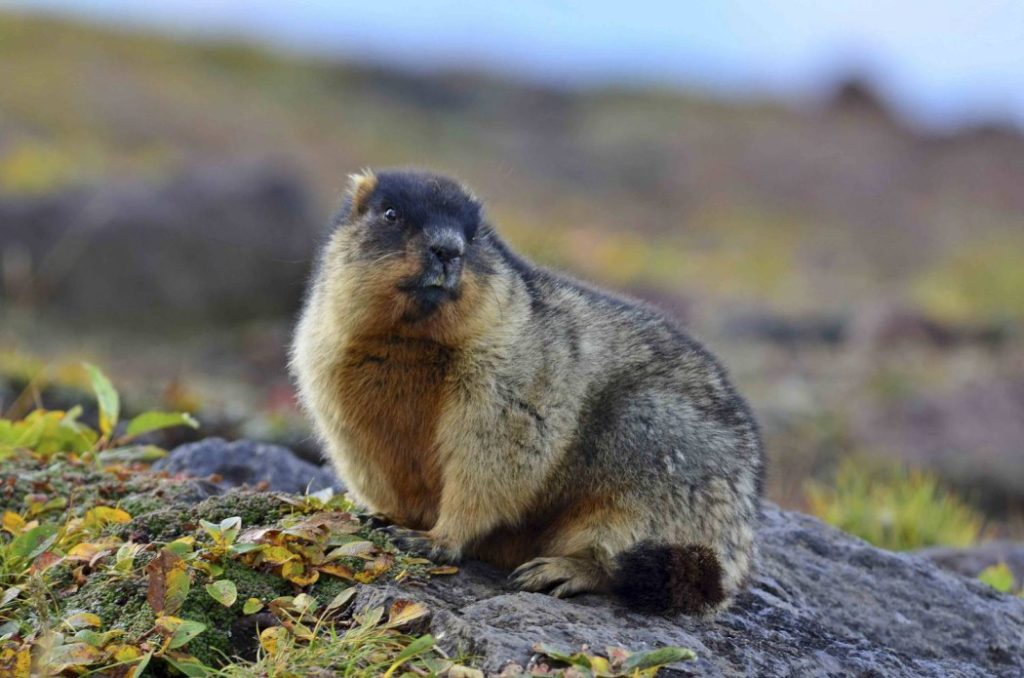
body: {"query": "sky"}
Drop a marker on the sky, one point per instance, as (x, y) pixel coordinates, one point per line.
(942, 63)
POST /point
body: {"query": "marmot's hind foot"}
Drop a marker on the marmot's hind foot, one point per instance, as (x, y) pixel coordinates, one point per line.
(560, 577)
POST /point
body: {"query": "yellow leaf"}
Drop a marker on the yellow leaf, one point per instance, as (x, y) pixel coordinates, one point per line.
(124, 653)
(338, 570)
(405, 611)
(277, 555)
(444, 569)
(15, 663)
(81, 620)
(61, 657)
(12, 522)
(89, 552)
(272, 639)
(296, 572)
(101, 516)
(600, 666)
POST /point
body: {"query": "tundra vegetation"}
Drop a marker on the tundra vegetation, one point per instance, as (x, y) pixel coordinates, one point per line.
(109, 569)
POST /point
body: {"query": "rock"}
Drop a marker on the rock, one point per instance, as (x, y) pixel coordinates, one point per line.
(215, 244)
(821, 603)
(787, 331)
(245, 462)
(969, 435)
(972, 560)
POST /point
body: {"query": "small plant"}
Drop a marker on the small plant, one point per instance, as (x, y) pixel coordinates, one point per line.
(616, 662)
(1000, 577)
(894, 507)
(80, 594)
(46, 433)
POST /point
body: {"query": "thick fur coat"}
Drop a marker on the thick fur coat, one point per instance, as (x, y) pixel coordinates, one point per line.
(500, 411)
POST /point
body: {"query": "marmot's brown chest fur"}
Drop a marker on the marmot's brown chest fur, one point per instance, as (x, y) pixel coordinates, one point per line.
(392, 391)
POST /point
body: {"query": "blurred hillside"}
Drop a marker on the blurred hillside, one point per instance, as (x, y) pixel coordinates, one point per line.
(863, 280)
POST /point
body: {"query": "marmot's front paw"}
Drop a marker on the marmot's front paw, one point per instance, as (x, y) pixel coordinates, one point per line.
(377, 521)
(423, 544)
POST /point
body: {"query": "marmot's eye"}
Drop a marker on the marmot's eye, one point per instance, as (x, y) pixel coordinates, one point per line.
(390, 214)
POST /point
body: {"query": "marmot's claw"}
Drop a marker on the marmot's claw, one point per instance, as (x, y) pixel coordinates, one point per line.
(420, 543)
(378, 521)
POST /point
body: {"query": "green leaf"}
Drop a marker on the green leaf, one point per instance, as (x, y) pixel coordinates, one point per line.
(556, 653)
(131, 454)
(223, 591)
(139, 668)
(252, 606)
(31, 543)
(97, 639)
(421, 644)
(239, 549)
(186, 631)
(148, 422)
(189, 666)
(341, 599)
(999, 577)
(655, 658)
(106, 396)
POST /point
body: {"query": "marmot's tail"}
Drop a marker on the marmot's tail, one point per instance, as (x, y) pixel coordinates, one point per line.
(661, 578)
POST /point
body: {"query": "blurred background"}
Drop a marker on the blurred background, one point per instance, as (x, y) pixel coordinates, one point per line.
(830, 195)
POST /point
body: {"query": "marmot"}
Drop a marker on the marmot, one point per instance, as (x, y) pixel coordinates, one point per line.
(504, 412)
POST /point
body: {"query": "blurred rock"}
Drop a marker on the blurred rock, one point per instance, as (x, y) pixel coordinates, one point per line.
(786, 331)
(971, 561)
(245, 462)
(894, 324)
(821, 603)
(971, 436)
(215, 244)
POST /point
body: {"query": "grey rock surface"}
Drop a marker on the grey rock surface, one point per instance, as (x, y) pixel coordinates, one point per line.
(821, 604)
(245, 462)
(218, 243)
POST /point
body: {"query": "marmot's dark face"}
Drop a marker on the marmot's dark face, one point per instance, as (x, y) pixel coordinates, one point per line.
(420, 236)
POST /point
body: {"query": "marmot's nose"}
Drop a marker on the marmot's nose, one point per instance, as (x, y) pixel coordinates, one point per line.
(447, 250)
(445, 243)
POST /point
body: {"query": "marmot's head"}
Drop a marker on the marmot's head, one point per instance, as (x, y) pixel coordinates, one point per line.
(411, 253)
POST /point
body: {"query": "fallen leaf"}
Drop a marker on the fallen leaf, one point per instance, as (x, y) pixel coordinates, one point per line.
(273, 639)
(12, 522)
(404, 612)
(443, 569)
(223, 591)
(295, 572)
(353, 549)
(101, 516)
(338, 570)
(178, 631)
(341, 599)
(44, 561)
(81, 620)
(169, 583)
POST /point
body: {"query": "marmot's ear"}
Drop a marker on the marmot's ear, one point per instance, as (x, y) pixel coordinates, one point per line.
(360, 188)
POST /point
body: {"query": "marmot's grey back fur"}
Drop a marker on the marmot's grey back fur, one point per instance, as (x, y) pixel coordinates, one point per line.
(501, 411)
